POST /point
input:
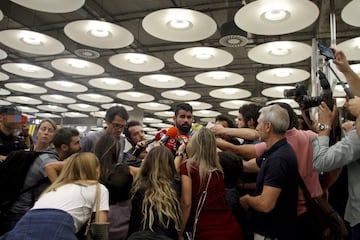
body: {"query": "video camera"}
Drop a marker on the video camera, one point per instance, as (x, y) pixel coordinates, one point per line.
(300, 95)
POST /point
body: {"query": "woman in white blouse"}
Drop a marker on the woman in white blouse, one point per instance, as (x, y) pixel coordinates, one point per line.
(66, 205)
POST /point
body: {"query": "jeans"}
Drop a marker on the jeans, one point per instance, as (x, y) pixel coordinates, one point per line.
(43, 224)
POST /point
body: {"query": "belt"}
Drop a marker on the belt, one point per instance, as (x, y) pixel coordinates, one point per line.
(262, 237)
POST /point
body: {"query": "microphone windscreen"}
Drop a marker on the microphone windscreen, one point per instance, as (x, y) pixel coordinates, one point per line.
(172, 132)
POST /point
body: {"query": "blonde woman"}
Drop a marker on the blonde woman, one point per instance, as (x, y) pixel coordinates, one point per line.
(199, 173)
(155, 201)
(45, 133)
(66, 205)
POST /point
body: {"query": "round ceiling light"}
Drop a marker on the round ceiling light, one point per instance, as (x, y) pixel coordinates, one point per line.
(199, 105)
(203, 57)
(234, 104)
(98, 34)
(109, 105)
(110, 84)
(280, 52)
(31, 42)
(179, 25)
(57, 98)
(27, 70)
(351, 48)
(66, 86)
(269, 17)
(350, 13)
(136, 62)
(77, 66)
(154, 106)
(51, 6)
(3, 54)
(230, 93)
(82, 107)
(25, 87)
(219, 78)
(135, 96)
(282, 75)
(181, 95)
(23, 100)
(162, 81)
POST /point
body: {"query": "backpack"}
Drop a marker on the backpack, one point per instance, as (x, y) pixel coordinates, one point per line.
(13, 171)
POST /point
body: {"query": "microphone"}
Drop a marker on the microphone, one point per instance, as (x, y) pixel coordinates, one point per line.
(171, 133)
(156, 137)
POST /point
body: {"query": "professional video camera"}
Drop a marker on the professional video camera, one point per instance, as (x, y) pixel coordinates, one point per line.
(300, 95)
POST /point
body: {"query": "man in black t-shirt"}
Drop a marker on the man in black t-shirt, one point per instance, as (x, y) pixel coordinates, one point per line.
(10, 119)
(274, 202)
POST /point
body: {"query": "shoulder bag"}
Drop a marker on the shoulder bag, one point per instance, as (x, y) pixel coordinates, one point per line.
(96, 230)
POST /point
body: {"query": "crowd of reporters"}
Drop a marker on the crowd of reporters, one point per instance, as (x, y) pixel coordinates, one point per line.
(220, 182)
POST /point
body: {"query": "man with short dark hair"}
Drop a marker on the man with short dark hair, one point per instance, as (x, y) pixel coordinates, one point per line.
(66, 141)
(10, 119)
(115, 119)
(183, 118)
(135, 135)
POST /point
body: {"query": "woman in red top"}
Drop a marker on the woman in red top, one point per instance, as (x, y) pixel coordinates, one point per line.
(201, 172)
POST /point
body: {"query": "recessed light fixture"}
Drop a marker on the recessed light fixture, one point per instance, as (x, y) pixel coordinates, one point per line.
(32, 40)
(26, 85)
(275, 15)
(77, 63)
(229, 90)
(100, 32)
(203, 53)
(219, 75)
(136, 58)
(279, 51)
(28, 68)
(135, 94)
(282, 72)
(180, 92)
(65, 83)
(180, 24)
(161, 78)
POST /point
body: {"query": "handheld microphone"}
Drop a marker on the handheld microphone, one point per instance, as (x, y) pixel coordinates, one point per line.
(171, 133)
(156, 137)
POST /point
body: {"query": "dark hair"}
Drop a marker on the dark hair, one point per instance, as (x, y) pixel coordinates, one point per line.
(129, 125)
(112, 112)
(232, 166)
(9, 110)
(293, 117)
(226, 119)
(64, 136)
(118, 182)
(107, 149)
(250, 111)
(183, 106)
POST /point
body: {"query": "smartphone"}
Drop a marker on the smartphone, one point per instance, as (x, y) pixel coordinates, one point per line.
(325, 51)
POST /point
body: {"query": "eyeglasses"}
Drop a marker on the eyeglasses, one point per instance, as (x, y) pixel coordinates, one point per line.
(117, 125)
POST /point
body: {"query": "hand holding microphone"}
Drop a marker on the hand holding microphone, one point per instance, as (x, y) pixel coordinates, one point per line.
(143, 144)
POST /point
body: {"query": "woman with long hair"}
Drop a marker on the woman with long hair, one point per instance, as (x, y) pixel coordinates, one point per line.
(203, 192)
(155, 202)
(66, 205)
(118, 178)
(45, 133)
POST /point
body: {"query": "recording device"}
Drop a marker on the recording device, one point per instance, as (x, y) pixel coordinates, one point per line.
(169, 139)
(156, 137)
(299, 94)
(329, 54)
(171, 133)
(326, 52)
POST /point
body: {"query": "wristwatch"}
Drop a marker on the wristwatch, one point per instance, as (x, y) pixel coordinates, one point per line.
(322, 126)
